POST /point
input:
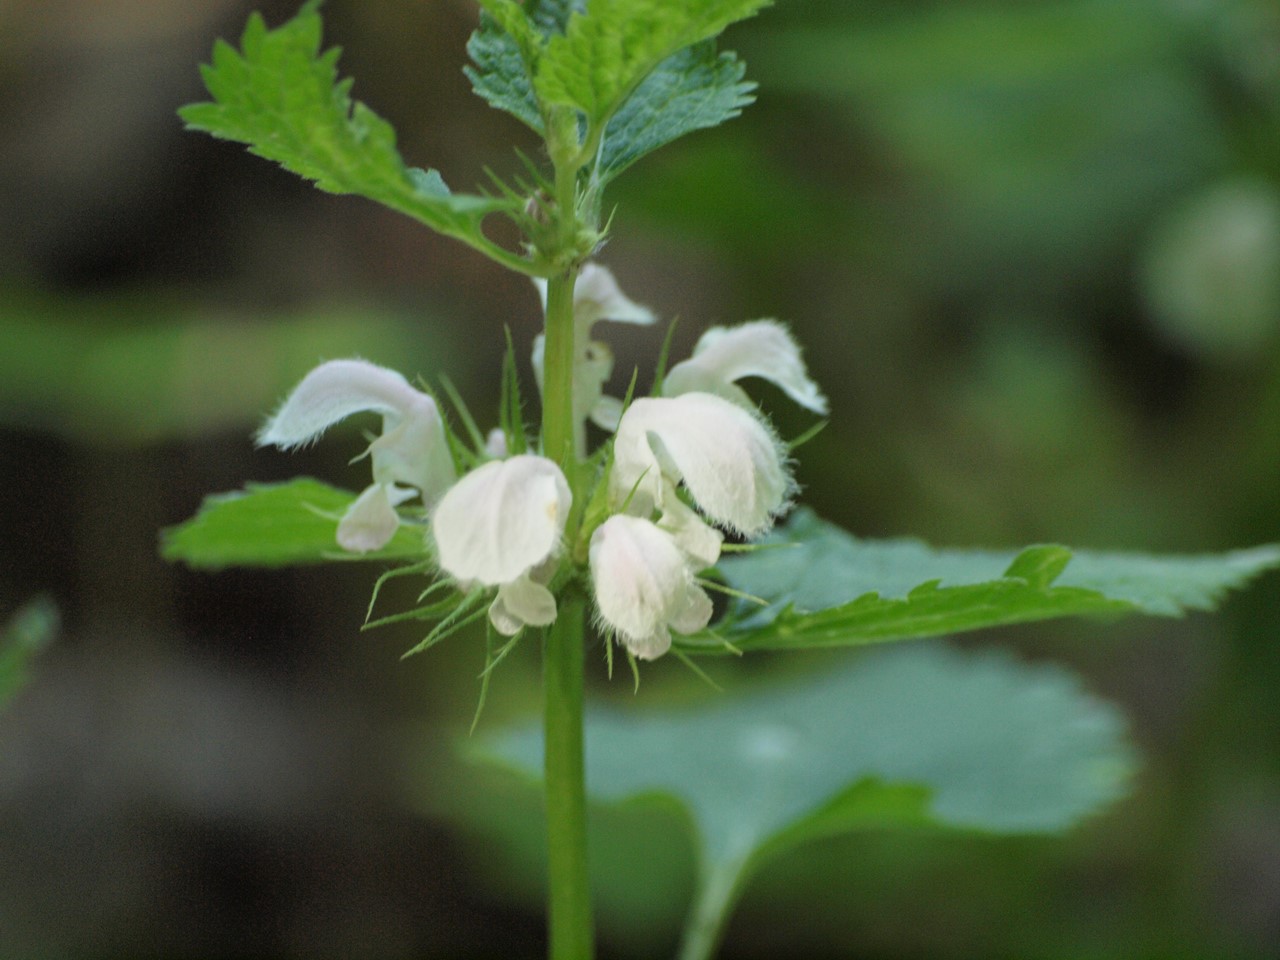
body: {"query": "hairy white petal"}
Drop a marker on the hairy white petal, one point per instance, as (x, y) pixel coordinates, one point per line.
(414, 452)
(596, 296)
(371, 520)
(700, 543)
(643, 585)
(334, 391)
(762, 348)
(730, 462)
(501, 520)
(522, 603)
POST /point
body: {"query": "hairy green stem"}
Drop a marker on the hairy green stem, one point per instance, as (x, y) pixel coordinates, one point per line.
(570, 931)
(571, 935)
(557, 378)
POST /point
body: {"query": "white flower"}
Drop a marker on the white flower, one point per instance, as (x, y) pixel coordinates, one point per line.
(643, 585)
(500, 526)
(411, 450)
(729, 461)
(595, 297)
(761, 348)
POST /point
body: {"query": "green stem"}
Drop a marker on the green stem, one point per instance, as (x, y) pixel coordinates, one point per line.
(557, 372)
(703, 930)
(571, 935)
(570, 930)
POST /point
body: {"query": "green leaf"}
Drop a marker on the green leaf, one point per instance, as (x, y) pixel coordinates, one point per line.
(282, 97)
(145, 367)
(604, 54)
(828, 588)
(501, 72)
(28, 632)
(694, 89)
(275, 525)
(914, 735)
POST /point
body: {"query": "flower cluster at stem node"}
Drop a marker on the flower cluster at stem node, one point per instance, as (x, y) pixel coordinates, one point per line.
(683, 468)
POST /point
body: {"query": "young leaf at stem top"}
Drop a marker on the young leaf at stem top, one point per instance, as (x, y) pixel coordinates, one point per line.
(604, 54)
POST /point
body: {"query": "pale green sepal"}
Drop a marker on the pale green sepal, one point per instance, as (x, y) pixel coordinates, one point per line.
(275, 525)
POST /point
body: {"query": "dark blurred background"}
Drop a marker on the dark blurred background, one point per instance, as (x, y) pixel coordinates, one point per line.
(1033, 249)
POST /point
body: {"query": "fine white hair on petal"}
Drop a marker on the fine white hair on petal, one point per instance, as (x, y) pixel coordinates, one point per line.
(643, 586)
(501, 520)
(761, 348)
(728, 459)
(334, 391)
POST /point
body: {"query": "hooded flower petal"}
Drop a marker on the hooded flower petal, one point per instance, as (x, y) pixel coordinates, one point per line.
(501, 520)
(762, 348)
(643, 586)
(730, 462)
(596, 296)
(411, 450)
(500, 525)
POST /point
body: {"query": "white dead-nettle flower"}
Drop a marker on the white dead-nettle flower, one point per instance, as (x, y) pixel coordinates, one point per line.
(410, 453)
(501, 526)
(595, 297)
(730, 462)
(761, 348)
(643, 585)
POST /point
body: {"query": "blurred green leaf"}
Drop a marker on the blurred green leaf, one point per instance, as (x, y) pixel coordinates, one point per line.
(917, 735)
(1028, 141)
(275, 525)
(141, 368)
(282, 97)
(28, 632)
(902, 589)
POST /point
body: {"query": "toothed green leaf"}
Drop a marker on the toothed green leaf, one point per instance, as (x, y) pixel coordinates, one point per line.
(827, 588)
(281, 95)
(694, 89)
(605, 53)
